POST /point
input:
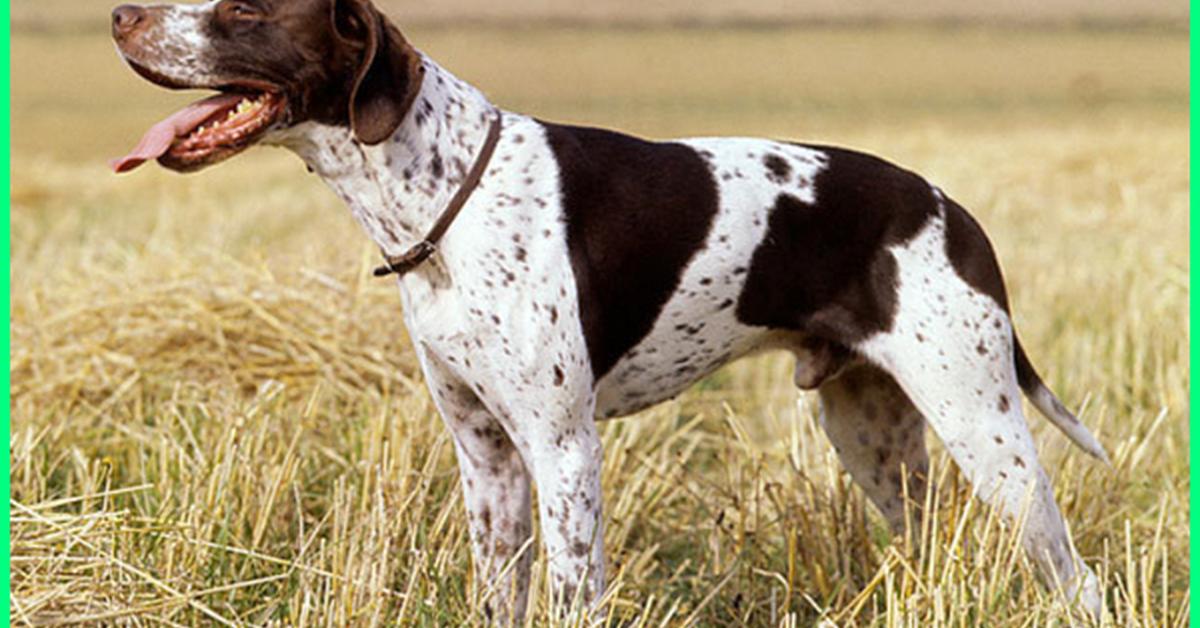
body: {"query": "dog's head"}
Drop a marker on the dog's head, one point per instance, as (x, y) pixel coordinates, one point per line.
(275, 64)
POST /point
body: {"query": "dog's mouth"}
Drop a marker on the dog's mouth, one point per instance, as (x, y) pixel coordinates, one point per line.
(209, 130)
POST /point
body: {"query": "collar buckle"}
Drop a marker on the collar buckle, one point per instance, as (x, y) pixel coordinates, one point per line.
(406, 261)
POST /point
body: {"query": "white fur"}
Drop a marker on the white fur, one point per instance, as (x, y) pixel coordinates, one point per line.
(175, 45)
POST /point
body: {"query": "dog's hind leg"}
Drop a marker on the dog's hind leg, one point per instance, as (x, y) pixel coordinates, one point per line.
(950, 348)
(880, 438)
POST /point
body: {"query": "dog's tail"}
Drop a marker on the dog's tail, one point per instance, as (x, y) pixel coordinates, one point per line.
(1050, 407)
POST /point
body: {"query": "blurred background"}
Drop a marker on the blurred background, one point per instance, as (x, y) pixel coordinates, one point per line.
(673, 67)
(81, 13)
(216, 412)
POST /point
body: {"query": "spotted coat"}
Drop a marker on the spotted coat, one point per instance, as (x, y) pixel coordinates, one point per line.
(593, 274)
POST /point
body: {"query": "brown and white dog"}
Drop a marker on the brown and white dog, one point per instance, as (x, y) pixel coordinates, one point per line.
(592, 274)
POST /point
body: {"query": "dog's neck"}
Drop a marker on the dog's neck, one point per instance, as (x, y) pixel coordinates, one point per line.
(398, 188)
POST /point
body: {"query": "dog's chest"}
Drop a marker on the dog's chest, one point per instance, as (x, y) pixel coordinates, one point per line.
(499, 301)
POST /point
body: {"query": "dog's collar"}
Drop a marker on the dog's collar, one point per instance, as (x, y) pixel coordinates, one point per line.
(415, 256)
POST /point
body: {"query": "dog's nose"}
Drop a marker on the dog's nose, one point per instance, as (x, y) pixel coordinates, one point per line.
(126, 19)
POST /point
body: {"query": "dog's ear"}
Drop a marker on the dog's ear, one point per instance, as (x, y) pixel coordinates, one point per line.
(388, 72)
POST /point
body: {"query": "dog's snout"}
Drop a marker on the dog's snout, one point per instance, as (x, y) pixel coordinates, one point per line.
(127, 19)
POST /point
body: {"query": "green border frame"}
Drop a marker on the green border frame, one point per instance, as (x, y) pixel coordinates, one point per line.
(5, 244)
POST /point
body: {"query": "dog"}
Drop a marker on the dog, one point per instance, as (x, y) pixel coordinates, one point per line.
(555, 275)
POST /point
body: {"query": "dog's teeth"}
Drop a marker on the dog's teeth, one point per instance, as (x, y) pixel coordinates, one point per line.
(247, 105)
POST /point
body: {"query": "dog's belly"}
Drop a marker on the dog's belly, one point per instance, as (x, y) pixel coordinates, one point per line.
(664, 365)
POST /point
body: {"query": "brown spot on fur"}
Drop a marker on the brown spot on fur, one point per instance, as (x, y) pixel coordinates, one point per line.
(485, 518)
(778, 169)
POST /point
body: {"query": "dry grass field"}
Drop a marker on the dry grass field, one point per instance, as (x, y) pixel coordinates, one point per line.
(217, 419)
(79, 15)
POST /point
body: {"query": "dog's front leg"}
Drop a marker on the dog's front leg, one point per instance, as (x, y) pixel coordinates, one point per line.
(496, 489)
(565, 459)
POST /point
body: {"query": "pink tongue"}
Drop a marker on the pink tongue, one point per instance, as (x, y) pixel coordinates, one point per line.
(159, 138)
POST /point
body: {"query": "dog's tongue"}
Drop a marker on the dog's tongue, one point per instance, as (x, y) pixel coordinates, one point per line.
(159, 138)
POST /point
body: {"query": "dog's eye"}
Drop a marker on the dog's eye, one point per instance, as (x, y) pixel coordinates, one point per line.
(241, 10)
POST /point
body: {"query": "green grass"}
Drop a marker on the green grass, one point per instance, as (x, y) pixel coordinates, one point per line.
(217, 416)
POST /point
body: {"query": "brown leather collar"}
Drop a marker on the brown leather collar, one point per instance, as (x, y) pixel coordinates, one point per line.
(415, 256)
